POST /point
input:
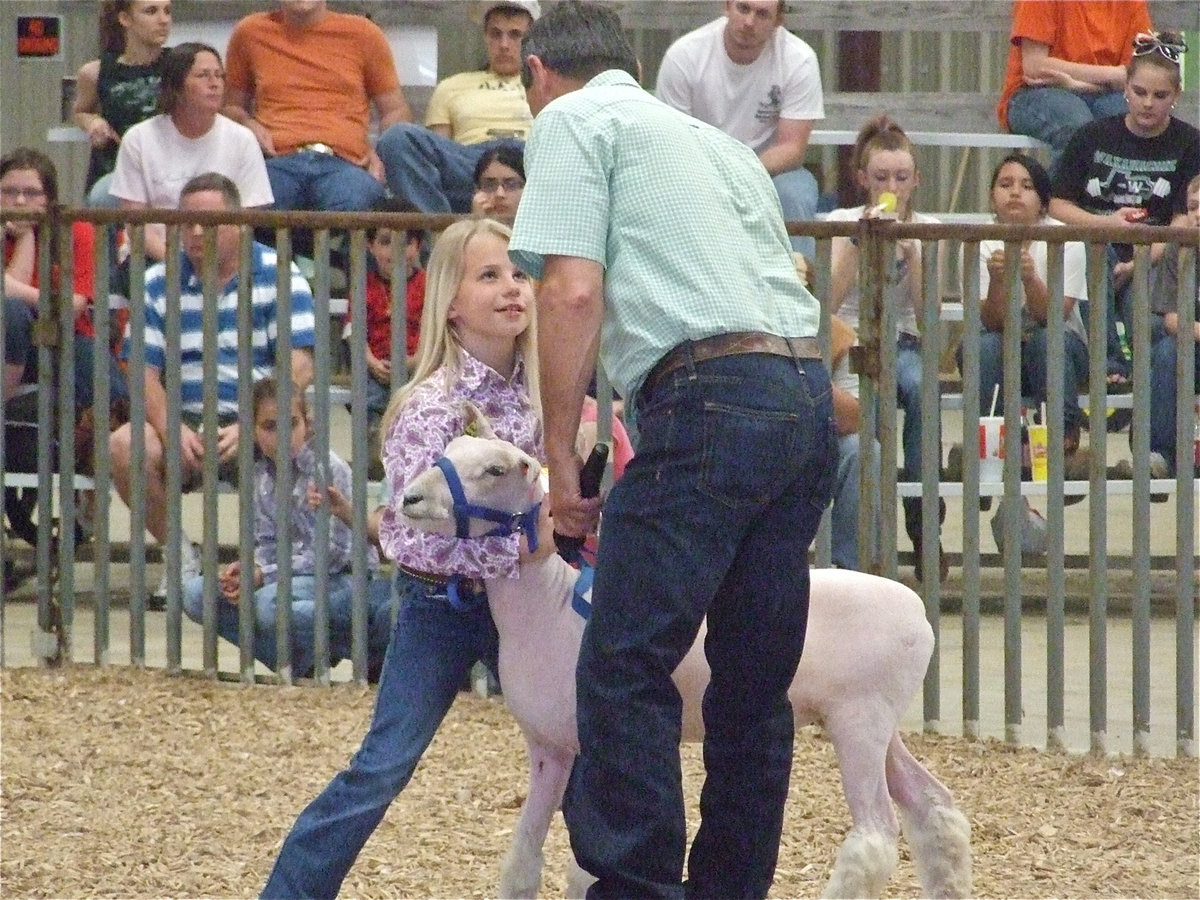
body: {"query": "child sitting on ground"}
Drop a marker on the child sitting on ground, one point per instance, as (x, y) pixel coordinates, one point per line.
(288, 443)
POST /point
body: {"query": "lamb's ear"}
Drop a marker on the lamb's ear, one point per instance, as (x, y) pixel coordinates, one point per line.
(477, 423)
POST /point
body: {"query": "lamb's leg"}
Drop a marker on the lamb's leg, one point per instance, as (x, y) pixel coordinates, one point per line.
(521, 872)
(579, 880)
(868, 855)
(939, 835)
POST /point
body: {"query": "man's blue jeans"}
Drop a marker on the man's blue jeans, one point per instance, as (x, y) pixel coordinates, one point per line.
(798, 194)
(843, 516)
(714, 516)
(433, 648)
(321, 181)
(1053, 114)
(433, 173)
(1033, 370)
(1163, 396)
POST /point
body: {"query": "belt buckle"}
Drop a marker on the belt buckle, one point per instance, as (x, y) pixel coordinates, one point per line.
(318, 147)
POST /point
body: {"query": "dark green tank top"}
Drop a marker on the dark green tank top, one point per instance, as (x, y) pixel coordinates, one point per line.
(128, 95)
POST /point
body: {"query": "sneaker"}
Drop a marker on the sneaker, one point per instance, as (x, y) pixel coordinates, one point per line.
(1159, 469)
(189, 568)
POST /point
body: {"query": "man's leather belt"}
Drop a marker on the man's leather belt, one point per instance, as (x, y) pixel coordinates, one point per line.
(318, 147)
(733, 343)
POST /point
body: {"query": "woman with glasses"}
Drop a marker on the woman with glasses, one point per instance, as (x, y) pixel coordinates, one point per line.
(1131, 169)
(499, 181)
(189, 137)
(29, 183)
(1066, 66)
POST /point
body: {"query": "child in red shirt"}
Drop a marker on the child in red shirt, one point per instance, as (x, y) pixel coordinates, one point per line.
(381, 248)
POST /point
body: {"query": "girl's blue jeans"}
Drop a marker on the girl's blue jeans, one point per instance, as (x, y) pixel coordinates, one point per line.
(433, 648)
(714, 516)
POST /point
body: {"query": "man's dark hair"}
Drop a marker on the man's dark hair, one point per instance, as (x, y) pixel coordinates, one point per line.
(578, 41)
(213, 181)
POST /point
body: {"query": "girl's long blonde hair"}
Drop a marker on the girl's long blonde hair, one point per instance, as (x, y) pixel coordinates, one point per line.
(438, 345)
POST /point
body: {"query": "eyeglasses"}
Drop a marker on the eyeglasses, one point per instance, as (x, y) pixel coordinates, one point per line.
(12, 193)
(510, 185)
(1145, 44)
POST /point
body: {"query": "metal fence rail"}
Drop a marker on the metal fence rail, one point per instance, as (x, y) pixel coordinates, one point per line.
(57, 555)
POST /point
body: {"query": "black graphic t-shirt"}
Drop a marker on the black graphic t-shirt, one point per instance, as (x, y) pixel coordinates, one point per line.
(128, 94)
(1106, 167)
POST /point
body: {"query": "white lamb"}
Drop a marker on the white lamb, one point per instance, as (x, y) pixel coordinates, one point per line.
(867, 647)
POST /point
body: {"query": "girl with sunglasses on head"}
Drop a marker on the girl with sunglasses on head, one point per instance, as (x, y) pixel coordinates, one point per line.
(1066, 66)
(1131, 169)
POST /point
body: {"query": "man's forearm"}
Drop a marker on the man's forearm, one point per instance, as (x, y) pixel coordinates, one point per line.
(570, 309)
(782, 158)
(235, 112)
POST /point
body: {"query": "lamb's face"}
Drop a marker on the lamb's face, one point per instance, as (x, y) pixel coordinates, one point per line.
(494, 474)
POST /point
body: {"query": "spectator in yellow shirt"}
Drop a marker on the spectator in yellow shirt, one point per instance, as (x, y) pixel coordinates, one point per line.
(432, 167)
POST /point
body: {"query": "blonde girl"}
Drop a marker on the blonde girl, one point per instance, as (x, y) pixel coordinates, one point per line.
(477, 345)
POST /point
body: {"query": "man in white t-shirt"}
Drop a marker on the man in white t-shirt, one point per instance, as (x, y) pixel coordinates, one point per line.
(433, 167)
(747, 75)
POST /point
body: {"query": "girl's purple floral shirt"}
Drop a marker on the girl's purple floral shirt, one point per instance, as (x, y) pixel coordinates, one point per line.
(433, 415)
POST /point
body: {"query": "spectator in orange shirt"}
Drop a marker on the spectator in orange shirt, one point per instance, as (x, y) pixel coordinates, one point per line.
(1066, 66)
(304, 79)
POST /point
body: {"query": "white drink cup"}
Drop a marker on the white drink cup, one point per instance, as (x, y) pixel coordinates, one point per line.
(991, 448)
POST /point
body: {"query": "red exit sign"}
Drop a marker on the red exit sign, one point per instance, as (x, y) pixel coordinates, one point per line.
(39, 37)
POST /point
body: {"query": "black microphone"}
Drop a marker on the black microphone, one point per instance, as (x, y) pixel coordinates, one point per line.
(589, 486)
